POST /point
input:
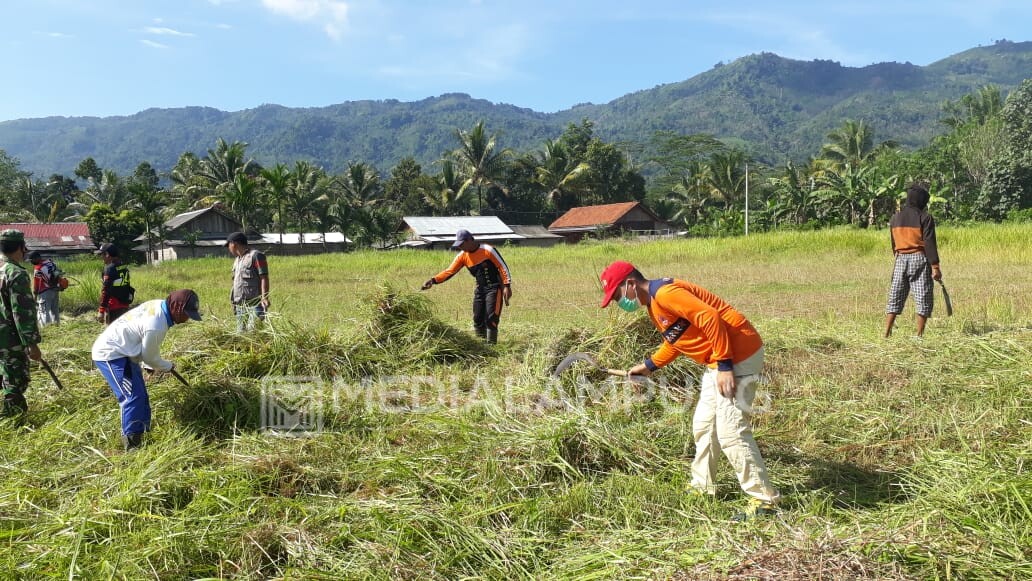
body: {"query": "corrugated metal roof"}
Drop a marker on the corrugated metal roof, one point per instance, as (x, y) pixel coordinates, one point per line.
(533, 231)
(602, 215)
(54, 230)
(295, 238)
(481, 237)
(180, 219)
(448, 225)
(59, 235)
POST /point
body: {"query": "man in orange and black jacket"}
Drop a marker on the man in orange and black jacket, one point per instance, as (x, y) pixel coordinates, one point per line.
(493, 282)
(912, 233)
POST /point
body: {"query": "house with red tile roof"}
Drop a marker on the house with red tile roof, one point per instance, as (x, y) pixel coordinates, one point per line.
(58, 239)
(610, 220)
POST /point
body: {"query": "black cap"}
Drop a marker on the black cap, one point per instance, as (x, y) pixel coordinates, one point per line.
(34, 255)
(107, 248)
(460, 237)
(237, 238)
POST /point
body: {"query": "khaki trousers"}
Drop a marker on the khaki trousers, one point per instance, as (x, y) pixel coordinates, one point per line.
(719, 425)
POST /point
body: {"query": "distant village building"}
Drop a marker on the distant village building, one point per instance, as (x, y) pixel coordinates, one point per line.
(59, 239)
(439, 232)
(203, 233)
(631, 218)
(191, 235)
(295, 243)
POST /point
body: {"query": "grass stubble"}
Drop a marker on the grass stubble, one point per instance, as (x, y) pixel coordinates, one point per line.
(443, 458)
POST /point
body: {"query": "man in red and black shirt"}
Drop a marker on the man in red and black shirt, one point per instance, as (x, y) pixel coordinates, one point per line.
(116, 294)
(912, 233)
(493, 282)
(45, 287)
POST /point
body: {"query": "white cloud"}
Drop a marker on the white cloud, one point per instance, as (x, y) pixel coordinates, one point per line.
(153, 44)
(58, 35)
(333, 13)
(162, 31)
(224, 26)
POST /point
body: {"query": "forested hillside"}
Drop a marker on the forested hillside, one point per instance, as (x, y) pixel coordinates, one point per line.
(772, 107)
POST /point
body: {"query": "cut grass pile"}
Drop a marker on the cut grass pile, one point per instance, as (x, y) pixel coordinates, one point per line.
(444, 458)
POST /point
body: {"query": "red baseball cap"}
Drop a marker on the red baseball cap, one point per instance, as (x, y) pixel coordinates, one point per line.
(612, 277)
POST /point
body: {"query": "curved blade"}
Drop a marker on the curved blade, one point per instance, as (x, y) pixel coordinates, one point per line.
(53, 375)
(574, 358)
(180, 378)
(946, 299)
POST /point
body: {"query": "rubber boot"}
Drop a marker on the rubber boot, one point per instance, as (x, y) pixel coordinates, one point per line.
(481, 332)
(14, 404)
(492, 336)
(132, 441)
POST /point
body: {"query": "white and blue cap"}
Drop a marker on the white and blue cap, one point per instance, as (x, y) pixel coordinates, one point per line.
(460, 237)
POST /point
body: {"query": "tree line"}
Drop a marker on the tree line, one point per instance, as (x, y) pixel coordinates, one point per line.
(979, 168)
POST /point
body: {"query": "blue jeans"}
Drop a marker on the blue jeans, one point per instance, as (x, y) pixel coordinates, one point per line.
(248, 316)
(126, 381)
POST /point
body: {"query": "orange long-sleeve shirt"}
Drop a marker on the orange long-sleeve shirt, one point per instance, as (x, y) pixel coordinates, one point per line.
(699, 324)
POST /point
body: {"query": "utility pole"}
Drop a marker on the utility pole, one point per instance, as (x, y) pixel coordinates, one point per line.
(747, 199)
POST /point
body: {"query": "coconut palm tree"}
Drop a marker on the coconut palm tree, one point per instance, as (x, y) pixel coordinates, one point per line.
(277, 180)
(360, 185)
(846, 163)
(692, 194)
(853, 145)
(220, 167)
(149, 201)
(444, 198)
(307, 191)
(242, 198)
(111, 190)
(187, 183)
(561, 174)
(480, 163)
(726, 176)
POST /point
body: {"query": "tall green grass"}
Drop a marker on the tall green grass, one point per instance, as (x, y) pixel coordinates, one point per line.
(898, 459)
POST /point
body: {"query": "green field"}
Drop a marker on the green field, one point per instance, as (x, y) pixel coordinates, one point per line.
(442, 458)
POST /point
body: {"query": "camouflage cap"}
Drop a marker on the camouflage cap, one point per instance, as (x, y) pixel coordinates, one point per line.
(12, 235)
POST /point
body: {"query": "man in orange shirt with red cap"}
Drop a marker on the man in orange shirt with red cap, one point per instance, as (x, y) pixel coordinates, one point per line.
(699, 324)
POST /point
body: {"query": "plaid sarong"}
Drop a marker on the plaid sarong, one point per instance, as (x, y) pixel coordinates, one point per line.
(911, 273)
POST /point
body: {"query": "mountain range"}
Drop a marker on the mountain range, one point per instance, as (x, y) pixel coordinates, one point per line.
(776, 108)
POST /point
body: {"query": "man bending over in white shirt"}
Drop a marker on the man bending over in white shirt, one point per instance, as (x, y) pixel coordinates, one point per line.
(136, 338)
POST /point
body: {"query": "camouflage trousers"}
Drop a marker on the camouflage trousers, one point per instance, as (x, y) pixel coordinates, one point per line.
(14, 374)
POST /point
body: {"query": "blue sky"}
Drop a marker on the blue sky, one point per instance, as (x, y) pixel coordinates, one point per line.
(108, 57)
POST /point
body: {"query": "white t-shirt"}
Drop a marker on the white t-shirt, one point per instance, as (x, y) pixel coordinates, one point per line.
(137, 335)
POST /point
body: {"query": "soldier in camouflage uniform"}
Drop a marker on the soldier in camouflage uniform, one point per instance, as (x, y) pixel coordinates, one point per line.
(19, 331)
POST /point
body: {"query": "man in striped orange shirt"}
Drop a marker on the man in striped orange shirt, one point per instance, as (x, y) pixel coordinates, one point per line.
(493, 288)
(699, 324)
